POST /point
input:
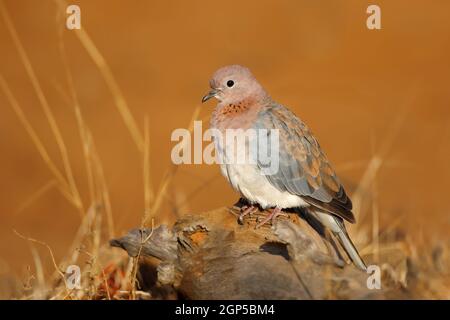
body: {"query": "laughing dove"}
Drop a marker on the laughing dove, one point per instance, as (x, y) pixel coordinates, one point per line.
(304, 179)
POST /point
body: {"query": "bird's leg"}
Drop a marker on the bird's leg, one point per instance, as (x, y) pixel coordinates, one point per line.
(270, 217)
(246, 210)
(241, 204)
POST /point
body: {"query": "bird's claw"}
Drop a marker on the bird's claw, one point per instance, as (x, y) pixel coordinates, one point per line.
(247, 210)
(270, 217)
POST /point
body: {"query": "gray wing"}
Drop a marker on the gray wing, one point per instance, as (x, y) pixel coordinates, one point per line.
(304, 169)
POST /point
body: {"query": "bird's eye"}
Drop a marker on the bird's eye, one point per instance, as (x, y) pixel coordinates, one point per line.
(230, 83)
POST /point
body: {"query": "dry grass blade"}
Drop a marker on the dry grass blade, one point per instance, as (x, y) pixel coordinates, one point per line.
(61, 273)
(135, 266)
(82, 231)
(196, 191)
(375, 214)
(96, 269)
(168, 176)
(87, 153)
(107, 74)
(64, 187)
(99, 192)
(364, 184)
(80, 121)
(96, 181)
(148, 190)
(45, 105)
(351, 165)
(39, 292)
(102, 188)
(36, 195)
(160, 196)
(370, 249)
(105, 282)
(377, 161)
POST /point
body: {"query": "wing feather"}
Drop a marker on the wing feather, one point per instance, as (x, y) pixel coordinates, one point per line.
(304, 169)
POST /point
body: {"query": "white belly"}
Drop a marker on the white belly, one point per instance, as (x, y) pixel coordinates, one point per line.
(247, 179)
(254, 186)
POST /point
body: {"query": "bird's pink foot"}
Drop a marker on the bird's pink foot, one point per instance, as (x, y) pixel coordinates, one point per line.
(246, 210)
(270, 217)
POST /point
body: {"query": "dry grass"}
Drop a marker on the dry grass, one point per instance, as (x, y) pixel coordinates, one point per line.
(111, 275)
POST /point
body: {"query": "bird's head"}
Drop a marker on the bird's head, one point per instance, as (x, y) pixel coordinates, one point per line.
(234, 84)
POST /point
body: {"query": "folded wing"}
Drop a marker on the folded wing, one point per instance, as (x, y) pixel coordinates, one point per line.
(304, 169)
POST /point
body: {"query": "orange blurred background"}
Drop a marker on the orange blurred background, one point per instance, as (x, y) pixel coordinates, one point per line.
(360, 91)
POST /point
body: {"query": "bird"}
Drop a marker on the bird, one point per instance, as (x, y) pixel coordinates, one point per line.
(304, 181)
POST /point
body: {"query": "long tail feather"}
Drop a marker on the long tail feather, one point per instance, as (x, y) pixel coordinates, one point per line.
(350, 249)
(337, 227)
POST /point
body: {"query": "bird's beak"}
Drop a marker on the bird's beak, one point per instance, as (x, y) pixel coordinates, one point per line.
(210, 95)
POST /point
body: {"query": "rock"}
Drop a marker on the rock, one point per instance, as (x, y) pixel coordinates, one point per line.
(211, 256)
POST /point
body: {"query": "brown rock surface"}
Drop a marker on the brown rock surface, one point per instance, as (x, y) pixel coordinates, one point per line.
(210, 256)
